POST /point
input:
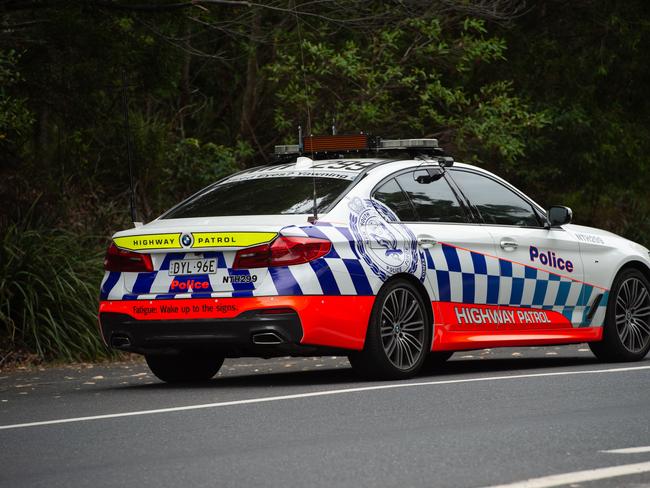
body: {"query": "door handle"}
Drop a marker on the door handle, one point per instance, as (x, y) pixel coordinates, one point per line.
(426, 242)
(509, 244)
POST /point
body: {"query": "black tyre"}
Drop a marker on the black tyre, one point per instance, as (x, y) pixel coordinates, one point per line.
(399, 334)
(626, 333)
(181, 368)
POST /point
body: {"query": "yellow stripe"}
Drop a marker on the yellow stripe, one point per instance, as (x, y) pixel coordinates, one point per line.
(231, 239)
(150, 241)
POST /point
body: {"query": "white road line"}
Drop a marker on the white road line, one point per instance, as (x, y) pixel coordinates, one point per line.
(580, 476)
(629, 450)
(317, 394)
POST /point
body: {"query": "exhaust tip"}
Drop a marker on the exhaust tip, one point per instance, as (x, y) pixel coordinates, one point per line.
(120, 341)
(267, 339)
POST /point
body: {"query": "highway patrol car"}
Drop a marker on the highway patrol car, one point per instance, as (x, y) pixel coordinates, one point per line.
(383, 250)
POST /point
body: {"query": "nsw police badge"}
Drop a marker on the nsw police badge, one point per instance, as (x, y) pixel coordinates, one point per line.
(384, 243)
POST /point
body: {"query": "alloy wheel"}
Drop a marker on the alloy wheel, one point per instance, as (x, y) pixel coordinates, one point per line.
(633, 314)
(402, 328)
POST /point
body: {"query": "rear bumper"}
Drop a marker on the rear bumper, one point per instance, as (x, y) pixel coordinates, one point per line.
(245, 334)
(252, 326)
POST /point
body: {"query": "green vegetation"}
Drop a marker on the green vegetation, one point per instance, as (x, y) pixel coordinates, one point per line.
(48, 293)
(553, 97)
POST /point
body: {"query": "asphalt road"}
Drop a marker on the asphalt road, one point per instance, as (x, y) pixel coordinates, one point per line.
(486, 418)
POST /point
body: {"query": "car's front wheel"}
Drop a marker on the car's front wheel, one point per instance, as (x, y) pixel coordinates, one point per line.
(626, 333)
(399, 334)
(181, 368)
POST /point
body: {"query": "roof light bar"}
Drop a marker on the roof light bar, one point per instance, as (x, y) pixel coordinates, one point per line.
(335, 143)
(287, 149)
(357, 142)
(408, 144)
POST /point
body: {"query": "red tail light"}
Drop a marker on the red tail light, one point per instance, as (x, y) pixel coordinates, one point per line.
(126, 261)
(284, 251)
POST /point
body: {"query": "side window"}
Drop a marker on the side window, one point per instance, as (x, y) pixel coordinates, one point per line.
(391, 195)
(496, 203)
(434, 201)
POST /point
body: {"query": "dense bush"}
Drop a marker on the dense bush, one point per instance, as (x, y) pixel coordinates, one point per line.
(49, 284)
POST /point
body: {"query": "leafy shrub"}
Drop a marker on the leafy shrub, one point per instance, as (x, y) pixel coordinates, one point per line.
(15, 119)
(192, 165)
(49, 283)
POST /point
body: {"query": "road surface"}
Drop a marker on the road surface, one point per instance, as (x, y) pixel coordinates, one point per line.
(487, 418)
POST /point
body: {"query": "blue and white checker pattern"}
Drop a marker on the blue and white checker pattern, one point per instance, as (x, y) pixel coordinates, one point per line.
(341, 272)
(157, 284)
(453, 275)
(463, 276)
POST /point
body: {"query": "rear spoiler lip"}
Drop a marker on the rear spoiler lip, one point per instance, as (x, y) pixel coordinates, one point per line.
(193, 241)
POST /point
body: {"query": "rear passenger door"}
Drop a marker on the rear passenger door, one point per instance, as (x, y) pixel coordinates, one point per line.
(454, 244)
(540, 268)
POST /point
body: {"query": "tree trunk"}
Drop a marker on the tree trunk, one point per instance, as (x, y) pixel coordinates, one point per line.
(184, 99)
(249, 101)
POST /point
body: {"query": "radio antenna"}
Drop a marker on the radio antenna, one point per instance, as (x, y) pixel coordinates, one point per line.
(314, 217)
(129, 152)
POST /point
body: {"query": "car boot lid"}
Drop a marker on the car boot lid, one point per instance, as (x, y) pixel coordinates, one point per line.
(204, 234)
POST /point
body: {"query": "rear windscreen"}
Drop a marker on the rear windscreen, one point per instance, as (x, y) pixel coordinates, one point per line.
(264, 196)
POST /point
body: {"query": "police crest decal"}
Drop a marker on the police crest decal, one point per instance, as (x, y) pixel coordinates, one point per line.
(385, 244)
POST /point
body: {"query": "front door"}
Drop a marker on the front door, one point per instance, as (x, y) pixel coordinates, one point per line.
(541, 272)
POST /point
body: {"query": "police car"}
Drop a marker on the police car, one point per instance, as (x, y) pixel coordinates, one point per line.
(386, 251)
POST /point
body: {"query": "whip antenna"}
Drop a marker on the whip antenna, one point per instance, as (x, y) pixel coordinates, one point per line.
(129, 153)
(314, 217)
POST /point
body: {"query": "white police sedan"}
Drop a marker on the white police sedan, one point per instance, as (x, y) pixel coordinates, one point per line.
(383, 250)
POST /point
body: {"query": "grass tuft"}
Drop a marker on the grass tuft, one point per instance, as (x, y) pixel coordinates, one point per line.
(49, 282)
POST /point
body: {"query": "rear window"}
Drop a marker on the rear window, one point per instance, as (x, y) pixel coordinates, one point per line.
(264, 196)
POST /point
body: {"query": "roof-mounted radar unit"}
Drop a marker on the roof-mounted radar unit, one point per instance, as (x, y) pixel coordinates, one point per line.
(316, 146)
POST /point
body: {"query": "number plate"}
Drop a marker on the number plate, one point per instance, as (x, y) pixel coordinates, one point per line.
(183, 267)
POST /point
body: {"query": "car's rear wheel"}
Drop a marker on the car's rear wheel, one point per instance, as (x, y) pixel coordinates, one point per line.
(626, 333)
(399, 334)
(186, 367)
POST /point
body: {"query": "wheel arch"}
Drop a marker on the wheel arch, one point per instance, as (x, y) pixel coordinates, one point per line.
(634, 264)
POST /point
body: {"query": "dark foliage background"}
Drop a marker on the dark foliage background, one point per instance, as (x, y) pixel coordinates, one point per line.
(552, 95)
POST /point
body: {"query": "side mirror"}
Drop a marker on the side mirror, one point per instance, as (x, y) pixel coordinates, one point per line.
(558, 215)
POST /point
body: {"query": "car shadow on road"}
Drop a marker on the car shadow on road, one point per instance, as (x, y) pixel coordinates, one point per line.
(500, 365)
(459, 368)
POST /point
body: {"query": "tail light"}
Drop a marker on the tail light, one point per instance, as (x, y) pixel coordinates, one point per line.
(126, 261)
(284, 251)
